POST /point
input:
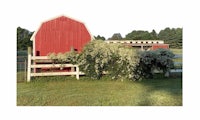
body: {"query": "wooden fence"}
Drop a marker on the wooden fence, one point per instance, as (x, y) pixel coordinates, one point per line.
(45, 62)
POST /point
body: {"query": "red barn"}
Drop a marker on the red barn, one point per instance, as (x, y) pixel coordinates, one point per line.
(60, 35)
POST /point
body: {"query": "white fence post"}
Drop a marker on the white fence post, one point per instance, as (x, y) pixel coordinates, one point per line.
(29, 65)
(77, 72)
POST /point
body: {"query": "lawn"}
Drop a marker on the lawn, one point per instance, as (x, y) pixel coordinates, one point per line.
(67, 91)
(176, 51)
(179, 60)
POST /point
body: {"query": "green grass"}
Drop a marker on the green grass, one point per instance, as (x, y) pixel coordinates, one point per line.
(176, 51)
(67, 91)
(21, 76)
(178, 60)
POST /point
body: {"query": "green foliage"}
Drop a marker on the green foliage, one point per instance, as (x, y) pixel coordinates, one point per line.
(94, 59)
(160, 59)
(98, 37)
(68, 57)
(23, 38)
(122, 63)
(154, 35)
(172, 36)
(116, 36)
(141, 35)
(99, 57)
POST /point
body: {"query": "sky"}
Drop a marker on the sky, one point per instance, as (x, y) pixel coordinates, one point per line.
(104, 17)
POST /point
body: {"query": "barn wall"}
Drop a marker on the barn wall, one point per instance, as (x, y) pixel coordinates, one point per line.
(59, 35)
(157, 46)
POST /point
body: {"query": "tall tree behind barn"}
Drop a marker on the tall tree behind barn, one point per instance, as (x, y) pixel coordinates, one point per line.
(60, 35)
(23, 38)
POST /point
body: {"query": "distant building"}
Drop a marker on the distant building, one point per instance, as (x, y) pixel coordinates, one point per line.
(143, 44)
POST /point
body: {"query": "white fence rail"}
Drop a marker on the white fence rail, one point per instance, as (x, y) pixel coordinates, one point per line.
(32, 66)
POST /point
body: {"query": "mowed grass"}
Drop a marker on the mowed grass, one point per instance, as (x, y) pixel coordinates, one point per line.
(176, 51)
(21, 76)
(67, 91)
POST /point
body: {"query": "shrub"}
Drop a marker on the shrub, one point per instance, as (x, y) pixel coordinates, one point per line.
(68, 57)
(99, 57)
(160, 59)
(94, 59)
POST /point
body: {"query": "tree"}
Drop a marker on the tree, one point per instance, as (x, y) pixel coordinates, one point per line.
(160, 59)
(154, 35)
(98, 37)
(171, 36)
(179, 37)
(116, 36)
(140, 35)
(23, 38)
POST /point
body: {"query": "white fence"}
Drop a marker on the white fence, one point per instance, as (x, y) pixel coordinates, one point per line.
(45, 62)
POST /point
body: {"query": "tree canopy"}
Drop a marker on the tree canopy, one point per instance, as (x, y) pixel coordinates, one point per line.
(98, 37)
(172, 36)
(141, 35)
(23, 38)
(116, 36)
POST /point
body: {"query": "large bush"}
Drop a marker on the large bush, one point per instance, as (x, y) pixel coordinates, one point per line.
(99, 57)
(149, 61)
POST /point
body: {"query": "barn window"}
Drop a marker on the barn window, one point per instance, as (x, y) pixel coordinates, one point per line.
(146, 42)
(141, 42)
(136, 42)
(131, 42)
(152, 42)
(37, 53)
(157, 42)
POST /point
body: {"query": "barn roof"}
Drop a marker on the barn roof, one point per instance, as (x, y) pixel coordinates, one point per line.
(34, 34)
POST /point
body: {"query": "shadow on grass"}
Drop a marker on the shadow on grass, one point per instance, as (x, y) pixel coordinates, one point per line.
(68, 91)
(162, 92)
